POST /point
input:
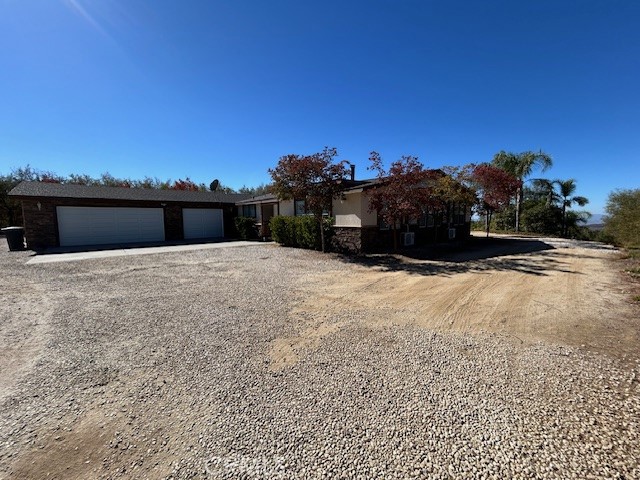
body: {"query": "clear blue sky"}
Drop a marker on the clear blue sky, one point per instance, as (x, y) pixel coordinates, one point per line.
(221, 89)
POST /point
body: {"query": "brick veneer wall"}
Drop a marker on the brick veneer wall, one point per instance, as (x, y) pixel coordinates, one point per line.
(347, 239)
(41, 224)
(372, 239)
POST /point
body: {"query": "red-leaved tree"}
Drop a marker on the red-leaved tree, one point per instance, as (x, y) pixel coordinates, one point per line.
(314, 178)
(186, 184)
(494, 188)
(403, 192)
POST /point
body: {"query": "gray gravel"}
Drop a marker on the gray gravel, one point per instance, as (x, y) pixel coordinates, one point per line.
(167, 357)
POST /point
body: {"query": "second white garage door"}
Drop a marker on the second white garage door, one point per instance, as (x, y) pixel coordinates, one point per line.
(202, 223)
(109, 225)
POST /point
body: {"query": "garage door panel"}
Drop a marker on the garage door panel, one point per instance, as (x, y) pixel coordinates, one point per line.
(202, 223)
(105, 225)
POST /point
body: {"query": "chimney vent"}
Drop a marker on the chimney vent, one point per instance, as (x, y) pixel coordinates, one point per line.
(353, 172)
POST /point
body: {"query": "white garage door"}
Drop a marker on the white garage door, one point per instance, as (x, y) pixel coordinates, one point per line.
(202, 223)
(105, 225)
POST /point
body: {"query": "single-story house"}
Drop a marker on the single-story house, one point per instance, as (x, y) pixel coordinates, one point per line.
(356, 229)
(72, 215)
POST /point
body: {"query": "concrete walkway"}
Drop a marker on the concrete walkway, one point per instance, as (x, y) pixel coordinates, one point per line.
(121, 252)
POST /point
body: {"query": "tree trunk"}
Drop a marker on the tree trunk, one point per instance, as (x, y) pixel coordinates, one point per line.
(518, 195)
(486, 223)
(322, 234)
(564, 219)
(395, 236)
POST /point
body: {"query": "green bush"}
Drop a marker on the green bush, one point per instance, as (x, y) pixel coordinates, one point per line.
(504, 220)
(303, 232)
(477, 225)
(283, 231)
(540, 218)
(623, 217)
(246, 228)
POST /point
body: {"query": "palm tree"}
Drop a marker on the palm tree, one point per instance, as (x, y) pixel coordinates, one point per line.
(521, 165)
(543, 188)
(567, 189)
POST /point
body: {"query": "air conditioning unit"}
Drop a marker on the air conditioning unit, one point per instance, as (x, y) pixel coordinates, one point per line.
(452, 233)
(408, 239)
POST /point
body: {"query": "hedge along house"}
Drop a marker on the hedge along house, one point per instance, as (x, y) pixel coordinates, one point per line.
(356, 229)
(60, 215)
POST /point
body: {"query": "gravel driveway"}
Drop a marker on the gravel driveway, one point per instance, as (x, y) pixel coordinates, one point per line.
(159, 366)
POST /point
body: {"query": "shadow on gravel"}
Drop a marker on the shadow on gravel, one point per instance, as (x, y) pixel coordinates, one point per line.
(128, 246)
(477, 255)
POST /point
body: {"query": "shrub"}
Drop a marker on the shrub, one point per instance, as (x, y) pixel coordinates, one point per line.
(246, 227)
(477, 225)
(504, 220)
(623, 217)
(303, 232)
(283, 231)
(540, 218)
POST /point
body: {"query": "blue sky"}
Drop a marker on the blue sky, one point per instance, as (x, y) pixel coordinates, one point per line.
(221, 89)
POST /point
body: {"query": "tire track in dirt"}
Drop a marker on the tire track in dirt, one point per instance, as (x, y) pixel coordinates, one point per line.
(562, 295)
(24, 304)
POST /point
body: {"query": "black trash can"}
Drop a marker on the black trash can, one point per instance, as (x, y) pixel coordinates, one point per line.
(15, 238)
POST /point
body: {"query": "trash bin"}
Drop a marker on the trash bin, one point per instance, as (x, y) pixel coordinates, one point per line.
(15, 238)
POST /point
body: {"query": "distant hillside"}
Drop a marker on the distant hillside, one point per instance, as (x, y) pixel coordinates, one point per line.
(595, 219)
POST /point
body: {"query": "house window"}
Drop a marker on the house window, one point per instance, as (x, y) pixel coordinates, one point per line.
(422, 221)
(427, 219)
(431, 217)
(387, 226)
(300, 207)
(460, 214)
(249, 211)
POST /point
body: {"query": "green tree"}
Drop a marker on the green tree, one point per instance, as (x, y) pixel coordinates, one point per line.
(10, 210)
(521, 166)
(623, 217)
(566, 190)
(261, 189)
(575, 224)
(538, 217)
(542, 189)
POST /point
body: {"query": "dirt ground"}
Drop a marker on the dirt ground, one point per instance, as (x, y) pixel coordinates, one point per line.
(545, 289)
(97, 372)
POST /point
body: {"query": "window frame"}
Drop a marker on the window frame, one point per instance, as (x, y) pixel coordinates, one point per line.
(245, 208)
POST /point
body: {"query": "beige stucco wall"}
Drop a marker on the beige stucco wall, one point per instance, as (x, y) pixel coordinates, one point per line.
(369, 219)
(353, 211)
(347, 210)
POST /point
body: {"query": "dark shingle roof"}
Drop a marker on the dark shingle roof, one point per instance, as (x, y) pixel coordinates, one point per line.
(66, 190)
(347, 184)
(372, 182)
(361, 184)
(268, 197)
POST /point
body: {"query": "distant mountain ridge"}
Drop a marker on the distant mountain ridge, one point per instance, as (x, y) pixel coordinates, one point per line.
(595, 219)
